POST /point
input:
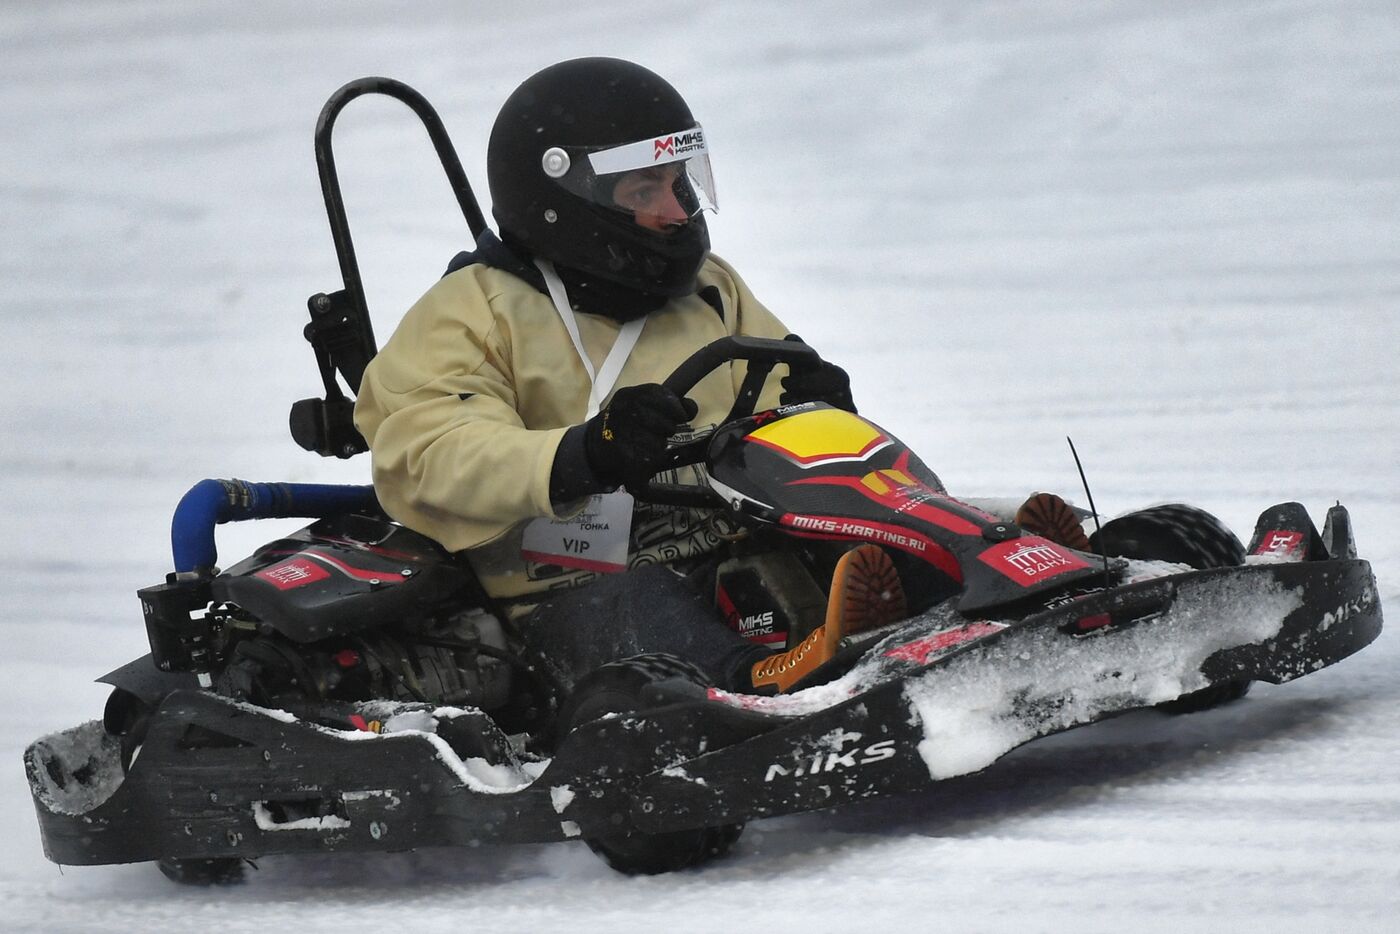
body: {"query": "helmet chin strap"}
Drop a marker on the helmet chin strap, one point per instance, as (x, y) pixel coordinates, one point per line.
(605, 377)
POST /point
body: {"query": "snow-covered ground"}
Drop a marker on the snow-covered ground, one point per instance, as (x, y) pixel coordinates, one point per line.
(1169, 230)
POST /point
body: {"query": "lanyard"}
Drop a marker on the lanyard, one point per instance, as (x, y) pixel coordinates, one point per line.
(606, 376)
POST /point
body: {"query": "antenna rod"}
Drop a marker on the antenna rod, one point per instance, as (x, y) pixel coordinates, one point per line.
(1098, 529)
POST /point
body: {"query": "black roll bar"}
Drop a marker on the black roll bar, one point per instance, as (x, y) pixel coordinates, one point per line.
(340, 331)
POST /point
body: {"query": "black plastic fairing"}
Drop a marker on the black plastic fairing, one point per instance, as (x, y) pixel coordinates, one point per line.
(824, 473)
(144, 681)
(343, 575)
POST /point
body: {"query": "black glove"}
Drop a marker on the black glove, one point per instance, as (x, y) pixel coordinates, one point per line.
(624, 442)
(825, 382)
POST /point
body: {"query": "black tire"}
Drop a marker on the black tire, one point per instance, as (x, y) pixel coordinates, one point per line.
(127, 717)
(1186, 535)
(619, 687)
(640, 854)
(223, 870)
(1173, 532)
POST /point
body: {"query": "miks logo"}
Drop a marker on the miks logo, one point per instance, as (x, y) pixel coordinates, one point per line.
(756, 624)
(678, 144)
(833, 758)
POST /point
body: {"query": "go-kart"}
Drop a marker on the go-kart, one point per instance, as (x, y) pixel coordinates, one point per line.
(351, 687)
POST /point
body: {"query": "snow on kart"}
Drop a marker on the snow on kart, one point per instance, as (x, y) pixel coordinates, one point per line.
(351, 688)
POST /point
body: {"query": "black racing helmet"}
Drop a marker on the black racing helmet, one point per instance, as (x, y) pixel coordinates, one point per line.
(561, 144)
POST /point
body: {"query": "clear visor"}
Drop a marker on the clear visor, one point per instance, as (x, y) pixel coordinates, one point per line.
(664, 178)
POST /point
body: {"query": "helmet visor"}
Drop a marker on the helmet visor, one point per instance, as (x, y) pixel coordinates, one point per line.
(666, 177)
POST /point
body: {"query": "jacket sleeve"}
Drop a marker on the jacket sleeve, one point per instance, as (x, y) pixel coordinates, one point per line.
(451, 458)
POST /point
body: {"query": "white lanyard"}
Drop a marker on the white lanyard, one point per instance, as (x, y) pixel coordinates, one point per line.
(606, 376)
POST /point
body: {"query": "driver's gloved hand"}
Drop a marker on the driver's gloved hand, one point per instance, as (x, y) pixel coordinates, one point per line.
(824, 383)
(625, 442)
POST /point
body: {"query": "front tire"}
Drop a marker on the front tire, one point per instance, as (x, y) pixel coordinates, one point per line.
(618, 687)
(1172, 532)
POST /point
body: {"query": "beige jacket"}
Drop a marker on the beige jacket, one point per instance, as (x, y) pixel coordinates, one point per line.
(466, 404)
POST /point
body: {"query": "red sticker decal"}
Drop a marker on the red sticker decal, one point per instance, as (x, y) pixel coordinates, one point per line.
(359, 574)
(1091, 623)
(1280, 543)
(1030, 559)
(920, 650)
(298, 572)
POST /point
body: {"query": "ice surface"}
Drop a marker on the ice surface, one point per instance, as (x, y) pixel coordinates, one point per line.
(1166, 230)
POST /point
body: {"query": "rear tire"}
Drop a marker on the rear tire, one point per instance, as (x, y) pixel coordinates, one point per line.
(224, 870)
(641, 854)
(618, 688)
(128, 717)
(1186, 535)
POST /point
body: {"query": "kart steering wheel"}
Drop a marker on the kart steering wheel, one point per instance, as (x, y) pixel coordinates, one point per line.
(762, 355)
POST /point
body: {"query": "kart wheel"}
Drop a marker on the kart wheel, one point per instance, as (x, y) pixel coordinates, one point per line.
(1184, 535)
(127, 717)
(617, 688)
(1174, 532)
(224, 870)
(642, 854)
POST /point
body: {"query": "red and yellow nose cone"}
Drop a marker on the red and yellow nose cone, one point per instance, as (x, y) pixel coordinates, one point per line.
(821, 436)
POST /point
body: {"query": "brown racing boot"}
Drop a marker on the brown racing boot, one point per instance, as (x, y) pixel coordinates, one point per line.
(1049, 516)
(865, 594)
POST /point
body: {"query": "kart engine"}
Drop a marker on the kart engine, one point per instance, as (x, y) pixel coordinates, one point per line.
(458, 660)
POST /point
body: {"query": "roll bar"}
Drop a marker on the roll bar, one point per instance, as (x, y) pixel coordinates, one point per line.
(340, 331)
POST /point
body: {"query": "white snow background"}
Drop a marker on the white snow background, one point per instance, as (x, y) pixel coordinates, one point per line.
(1169, 230)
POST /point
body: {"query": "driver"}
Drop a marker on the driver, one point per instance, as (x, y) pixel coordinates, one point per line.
(522, 392)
